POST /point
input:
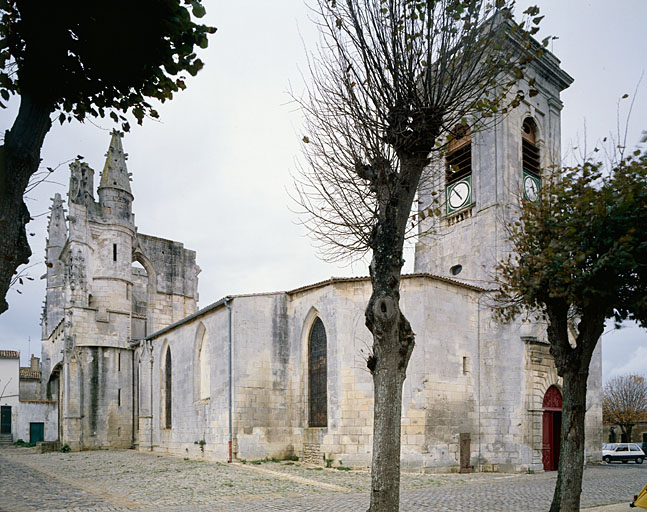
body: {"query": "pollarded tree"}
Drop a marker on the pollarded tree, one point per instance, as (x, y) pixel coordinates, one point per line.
(579, 257)
(391, 80)
(624, 402)
(71, 59)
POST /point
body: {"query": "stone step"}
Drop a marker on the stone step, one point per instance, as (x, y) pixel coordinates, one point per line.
(6, 439)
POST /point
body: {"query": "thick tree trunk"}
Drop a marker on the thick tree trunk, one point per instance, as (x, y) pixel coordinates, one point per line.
(571, 459)
(393, 339)
(392, 347)
(573, 366)
(388, 378)
(19, 159)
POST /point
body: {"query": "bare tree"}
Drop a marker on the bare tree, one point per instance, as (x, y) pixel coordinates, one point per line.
(392, 81)
(624, 402)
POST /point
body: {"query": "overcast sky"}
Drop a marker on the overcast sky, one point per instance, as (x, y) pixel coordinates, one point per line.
(214, 172)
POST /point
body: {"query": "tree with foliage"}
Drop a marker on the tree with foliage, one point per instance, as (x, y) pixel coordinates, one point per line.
(579, 257)
(67, 60)
(392, 81)
(624, 402)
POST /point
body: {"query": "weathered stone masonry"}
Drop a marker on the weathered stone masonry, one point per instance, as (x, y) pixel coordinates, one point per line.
(133, 363)
(97, 302)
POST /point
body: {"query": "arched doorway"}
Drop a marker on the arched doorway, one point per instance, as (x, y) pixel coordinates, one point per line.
(551, 428)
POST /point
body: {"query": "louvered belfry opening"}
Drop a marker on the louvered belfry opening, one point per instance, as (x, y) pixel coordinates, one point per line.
(529, 148)
(459, 155)
(317, 376)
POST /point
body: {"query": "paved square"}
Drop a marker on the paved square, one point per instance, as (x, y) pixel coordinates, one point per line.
(130, 480)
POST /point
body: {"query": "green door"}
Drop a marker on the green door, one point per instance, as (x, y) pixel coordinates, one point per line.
(36, 432)
(5, 419)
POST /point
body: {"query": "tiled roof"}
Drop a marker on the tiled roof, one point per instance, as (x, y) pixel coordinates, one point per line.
(9, 354)
(28, 373)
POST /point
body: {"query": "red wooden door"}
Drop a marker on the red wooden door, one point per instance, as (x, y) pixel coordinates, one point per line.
(551, 428)
(547, 442)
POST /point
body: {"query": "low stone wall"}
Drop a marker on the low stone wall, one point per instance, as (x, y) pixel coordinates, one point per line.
(37, 411)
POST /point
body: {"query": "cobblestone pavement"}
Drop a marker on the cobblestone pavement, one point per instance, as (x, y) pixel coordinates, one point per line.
(129, 480)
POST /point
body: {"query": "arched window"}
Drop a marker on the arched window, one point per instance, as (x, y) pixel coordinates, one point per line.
(317, 376)
(529, 150)
(204, 367)
(459, 154)
(530, 161)
(458, 187)
(168, 388)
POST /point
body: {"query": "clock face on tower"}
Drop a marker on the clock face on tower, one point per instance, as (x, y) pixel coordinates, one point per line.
(459, 194)
(531, 186)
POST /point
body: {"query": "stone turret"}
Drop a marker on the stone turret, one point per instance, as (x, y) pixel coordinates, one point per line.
(115, 196)
(56, 238)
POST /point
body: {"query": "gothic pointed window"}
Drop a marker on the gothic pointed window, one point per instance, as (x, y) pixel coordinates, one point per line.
(204, 368)
(317, 376)
(168, 387)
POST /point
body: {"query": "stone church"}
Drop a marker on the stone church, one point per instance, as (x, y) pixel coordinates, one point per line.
(133, 362)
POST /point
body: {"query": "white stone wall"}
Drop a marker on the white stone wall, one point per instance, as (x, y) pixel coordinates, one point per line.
(9, 389)
(467, 375)
(38, 412)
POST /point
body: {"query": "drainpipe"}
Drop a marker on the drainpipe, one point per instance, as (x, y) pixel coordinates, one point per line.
(478, 356)
(135, 385)
(227, 299)
(151, 380)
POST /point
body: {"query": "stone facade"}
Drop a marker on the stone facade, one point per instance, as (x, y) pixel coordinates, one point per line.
(132, 363)
(98, 301)
(458, 382)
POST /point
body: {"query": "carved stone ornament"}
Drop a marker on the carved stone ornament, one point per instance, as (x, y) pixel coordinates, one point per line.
(69, 349)
(77, 271)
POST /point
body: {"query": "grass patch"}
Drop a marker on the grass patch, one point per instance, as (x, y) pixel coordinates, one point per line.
(22, 443)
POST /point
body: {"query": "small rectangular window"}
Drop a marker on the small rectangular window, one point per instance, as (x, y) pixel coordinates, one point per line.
(114, 252)
(466, 365)
(118, 361)
(119, 397)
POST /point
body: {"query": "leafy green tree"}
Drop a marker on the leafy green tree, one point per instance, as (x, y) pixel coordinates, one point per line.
(579, 257)
(393, 79)
(67, 60)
